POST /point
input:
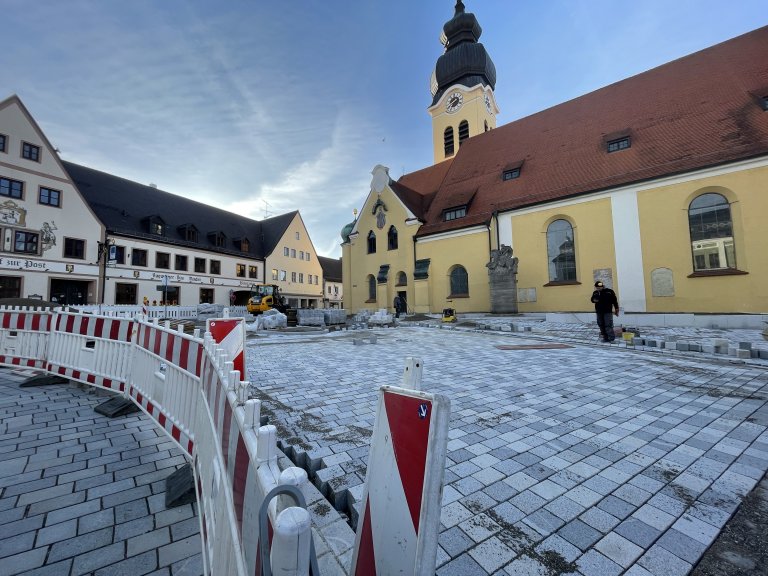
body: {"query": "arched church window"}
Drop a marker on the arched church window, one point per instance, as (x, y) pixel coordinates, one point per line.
(561, 252)
(371, 288)
(459, 281)
(709, 220)
(448, 141)
(392, 238)
(371, 242)
(463, 131)
(402, 279)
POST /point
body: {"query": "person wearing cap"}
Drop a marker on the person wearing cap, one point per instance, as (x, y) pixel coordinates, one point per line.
(606, 306)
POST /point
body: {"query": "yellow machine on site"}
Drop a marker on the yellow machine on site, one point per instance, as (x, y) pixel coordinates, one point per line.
(449, 315)
(265, 297)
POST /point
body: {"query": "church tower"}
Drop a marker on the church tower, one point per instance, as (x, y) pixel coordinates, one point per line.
(463, 104)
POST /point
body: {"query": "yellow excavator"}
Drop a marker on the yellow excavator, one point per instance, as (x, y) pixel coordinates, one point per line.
(265, 297)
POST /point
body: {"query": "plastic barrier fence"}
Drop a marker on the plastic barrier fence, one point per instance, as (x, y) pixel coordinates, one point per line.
(190, 388)
(24, 337)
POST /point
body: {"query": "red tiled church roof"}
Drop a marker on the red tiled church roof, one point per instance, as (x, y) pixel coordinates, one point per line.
(698, 111)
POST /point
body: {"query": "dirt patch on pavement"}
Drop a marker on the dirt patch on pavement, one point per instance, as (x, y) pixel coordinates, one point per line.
(742, 547)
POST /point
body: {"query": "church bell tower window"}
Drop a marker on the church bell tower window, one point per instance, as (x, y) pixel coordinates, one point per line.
(448, 141)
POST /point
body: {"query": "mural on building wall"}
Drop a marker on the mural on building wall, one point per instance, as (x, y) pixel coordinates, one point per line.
(47, 237)
(13, 214)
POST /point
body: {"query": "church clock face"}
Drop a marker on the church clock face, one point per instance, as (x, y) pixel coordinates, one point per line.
(454, 102)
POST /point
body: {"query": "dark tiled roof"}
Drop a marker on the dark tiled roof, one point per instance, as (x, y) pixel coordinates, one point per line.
(124, 206)
(418, 189)
(331, 268)
(699, 111)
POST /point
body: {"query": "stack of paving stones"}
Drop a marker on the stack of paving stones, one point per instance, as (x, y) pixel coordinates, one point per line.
(581, 460)
(310, 317)
(334, 316)
(84, 494)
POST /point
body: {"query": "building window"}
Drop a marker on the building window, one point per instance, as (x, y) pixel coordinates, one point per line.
(336, 290)
(163, 260)
(11, 188)
(392, 238)
(30, 151)
(709, 220)
(240, 270)
(274, 274)
(286, 251)
(293, 276)
(511, 174)
(306, 256)
(297, 235)
(157, 227)
(301, 278)
(293, 252)
(283, 275)
(463, 131)
(329, 289)
(218, 239)
(453, 213)
(253, 272)
(206, 295)
(459, 282)
(301, 254)
(26, 242)
(371, 242)
(215, 267)
(371, 288)
(138, 257)
(402, 279)
(126, 294)
(448, 141)
(619, 144)
(119, 254)
(244, 245)
(74, 248)
(10, 286)
(189, 232)
(3, 142)
(561, 252)
(200, 265)
(49, 197)
(181, 262)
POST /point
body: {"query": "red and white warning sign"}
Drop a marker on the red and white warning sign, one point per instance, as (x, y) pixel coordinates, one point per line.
(229, 333)
(400, 515)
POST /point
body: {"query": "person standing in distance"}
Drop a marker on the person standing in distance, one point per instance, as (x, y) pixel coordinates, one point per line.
(606, 306)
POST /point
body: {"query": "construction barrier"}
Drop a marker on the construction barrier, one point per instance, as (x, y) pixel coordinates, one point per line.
(191, 389)
(400, 514)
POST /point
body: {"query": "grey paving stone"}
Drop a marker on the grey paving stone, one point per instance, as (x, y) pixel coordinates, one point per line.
(95, 521)
(20, 526)
(180, 550)
(25, 561)
(185, 528)
(660, 562)
(80, 544)
(595, 564)
(191, 566)
(62, 514)
(454, 541)
(148, 540)
(98, 558)
(17, 544)
(616, 507)
(57, 569)
(580, 534)
(135, 566)
(460, 566)
(56, 533)
(638, 532)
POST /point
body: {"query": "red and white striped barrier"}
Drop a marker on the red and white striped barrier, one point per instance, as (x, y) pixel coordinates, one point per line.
(91, 349)
(229, 334)
(24, 334)
(243, 470)
(400, 515)
(165, 382)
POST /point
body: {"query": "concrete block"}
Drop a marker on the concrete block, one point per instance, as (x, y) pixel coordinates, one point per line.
(683, 346)
(745, 345)
(741, 353)
(693, 347)
(762, 354)
(670, 345)
(708, 348)
(732, 350)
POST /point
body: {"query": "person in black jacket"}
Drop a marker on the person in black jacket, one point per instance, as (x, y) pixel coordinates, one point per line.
(606, 306)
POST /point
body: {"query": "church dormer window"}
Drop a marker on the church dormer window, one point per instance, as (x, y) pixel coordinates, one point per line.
(448, 141)
(218, 239)
(619, 144)
(454, 213)
(155, 225)
(463, 131)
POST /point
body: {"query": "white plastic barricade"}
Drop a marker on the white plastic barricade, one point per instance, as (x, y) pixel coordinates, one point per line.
(400, 514)
(229, 334)
(165, 382)
(235, 468)
(24, 336)
(91, 349)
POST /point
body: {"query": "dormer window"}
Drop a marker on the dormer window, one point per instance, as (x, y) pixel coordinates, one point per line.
(510, 174)
(155, 225)
(619, 144)
(242, 244)
(189, 232)
(454, 213)
(218, 238)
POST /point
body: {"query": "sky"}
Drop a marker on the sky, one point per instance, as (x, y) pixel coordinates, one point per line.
(262, 108)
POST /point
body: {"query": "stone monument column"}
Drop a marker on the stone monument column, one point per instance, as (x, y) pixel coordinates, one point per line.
(502, 278)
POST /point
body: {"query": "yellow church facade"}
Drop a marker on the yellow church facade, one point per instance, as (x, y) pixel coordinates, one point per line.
(662, 197)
